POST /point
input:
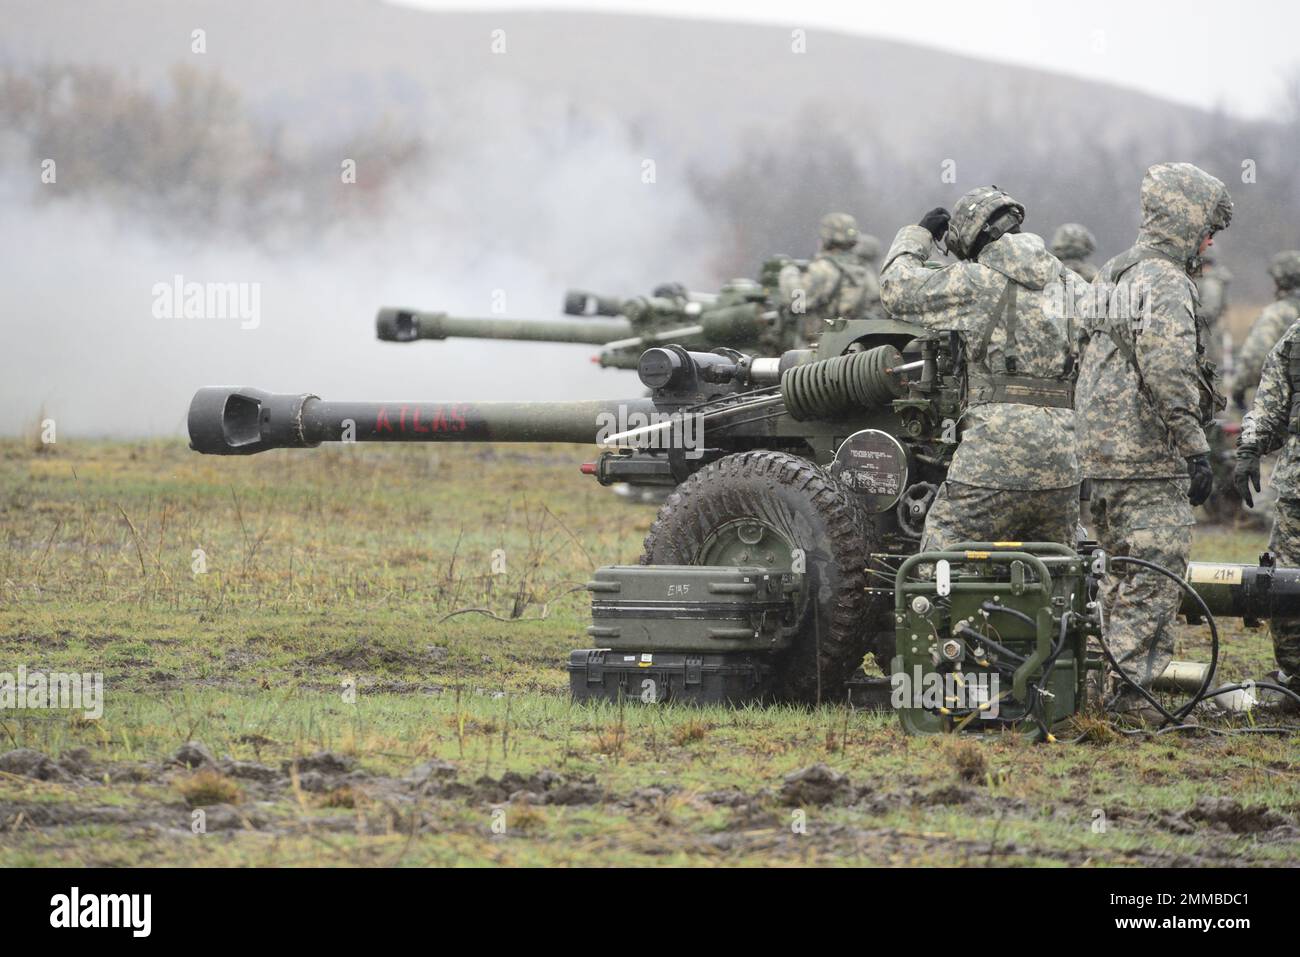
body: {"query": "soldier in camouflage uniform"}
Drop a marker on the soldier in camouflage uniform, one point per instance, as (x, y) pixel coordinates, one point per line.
(868, 249)
(1212, 293)
(837, 284)
(1073, 245)
(1015, 473)
(1144, 402)
(1274, 423)
(1271, 324)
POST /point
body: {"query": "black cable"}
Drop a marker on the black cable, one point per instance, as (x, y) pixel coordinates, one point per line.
(1041, 687)
(984, 639)
(1172, 720)
(1204, 691)
(1228, 689)
(991, 606)
(1176, 716)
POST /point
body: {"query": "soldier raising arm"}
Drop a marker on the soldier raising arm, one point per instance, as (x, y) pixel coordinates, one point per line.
(1015, 473)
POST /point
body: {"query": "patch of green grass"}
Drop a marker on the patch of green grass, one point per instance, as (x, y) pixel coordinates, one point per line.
(353, 600)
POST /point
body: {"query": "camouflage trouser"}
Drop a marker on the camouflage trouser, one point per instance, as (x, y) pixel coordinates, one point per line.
(972, 513)
(1149, 519)
(1284, 543)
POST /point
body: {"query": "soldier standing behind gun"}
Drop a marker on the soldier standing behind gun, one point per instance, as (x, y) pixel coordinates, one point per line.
(837, 284)
(1270, 326)
(1074, 244)
(1274, 423)
(1144, 402)
(1212, 293)
(1015, 473)
(868, 250)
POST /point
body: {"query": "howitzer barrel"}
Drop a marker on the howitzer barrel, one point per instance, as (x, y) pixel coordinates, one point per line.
(1253, 593)
(227, 420)
(407, 325)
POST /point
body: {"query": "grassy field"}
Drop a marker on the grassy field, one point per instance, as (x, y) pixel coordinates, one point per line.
(355, 656)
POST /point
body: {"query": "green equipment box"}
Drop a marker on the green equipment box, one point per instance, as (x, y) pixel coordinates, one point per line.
(692, 608)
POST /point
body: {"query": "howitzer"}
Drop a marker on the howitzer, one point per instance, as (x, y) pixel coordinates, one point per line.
(408, 325)
(737, 317)
(740, 318)
(788, 549)
(845, 451)
(578, 302)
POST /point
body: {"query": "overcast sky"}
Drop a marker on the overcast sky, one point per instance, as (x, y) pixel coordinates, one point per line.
(1195, 51)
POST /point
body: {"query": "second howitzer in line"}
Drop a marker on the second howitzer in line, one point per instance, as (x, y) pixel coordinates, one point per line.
(739, 317)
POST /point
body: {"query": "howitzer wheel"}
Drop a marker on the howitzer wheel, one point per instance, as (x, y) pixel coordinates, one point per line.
(757, 508)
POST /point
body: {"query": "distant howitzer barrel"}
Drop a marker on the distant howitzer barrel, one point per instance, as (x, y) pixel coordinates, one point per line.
(740, 326)
(667, 297)
(1253, 593)
(407, 325)
(580, 303)
(227, 420)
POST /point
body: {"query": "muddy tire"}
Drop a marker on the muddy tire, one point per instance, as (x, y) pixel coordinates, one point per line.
(792, 504)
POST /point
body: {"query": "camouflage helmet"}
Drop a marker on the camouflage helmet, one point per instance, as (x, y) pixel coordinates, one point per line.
(868, 247)
(1073, 241)
(1285, 269)
(984, 211)
(671, 290)
(839, 230)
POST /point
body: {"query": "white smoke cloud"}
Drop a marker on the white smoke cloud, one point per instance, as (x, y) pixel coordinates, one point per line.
(537, 203)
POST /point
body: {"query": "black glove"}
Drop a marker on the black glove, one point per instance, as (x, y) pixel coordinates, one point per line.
(1239, 397)
(1198, 467)
(1245, 472)
(936, 221)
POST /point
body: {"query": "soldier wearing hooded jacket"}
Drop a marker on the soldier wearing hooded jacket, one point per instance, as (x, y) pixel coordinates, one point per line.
(1015, 472)
(1144, 400)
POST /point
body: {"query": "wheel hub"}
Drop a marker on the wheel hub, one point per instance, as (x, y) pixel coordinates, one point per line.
(747, 542)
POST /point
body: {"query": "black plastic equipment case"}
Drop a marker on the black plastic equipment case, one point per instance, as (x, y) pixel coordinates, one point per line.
(665, 677)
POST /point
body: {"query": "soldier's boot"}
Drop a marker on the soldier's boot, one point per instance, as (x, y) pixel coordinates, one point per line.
(1131, 709)
(1283, 702)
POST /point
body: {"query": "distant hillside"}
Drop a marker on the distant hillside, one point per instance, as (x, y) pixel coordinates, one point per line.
(700, 98)
(605, 152)
(692, 83)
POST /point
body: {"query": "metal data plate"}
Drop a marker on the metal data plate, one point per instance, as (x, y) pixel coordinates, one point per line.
(872, 465)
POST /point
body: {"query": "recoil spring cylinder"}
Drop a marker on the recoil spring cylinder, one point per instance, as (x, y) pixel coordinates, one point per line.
(850, 383)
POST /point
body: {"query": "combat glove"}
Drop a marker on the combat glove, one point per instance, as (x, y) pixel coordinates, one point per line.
(1198, 467)
(1245, 472)
(936, 222)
